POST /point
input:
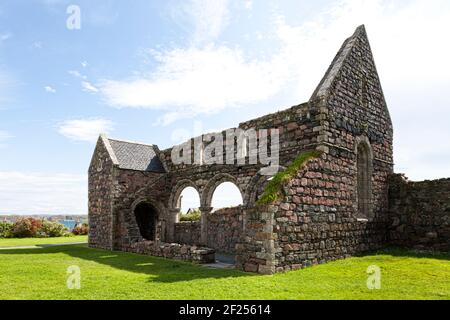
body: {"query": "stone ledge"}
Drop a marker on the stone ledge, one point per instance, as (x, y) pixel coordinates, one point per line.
(175, 251)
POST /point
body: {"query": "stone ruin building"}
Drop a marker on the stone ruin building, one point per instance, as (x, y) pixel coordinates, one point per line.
(345, 201)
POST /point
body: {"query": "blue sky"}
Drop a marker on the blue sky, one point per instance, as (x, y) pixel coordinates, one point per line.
(160, 71)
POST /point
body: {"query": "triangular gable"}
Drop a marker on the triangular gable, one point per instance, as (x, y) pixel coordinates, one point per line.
(353, 63)
(103, 142)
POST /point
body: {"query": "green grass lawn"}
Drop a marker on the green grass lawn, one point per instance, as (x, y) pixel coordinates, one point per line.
(41, 273)
(39, 241)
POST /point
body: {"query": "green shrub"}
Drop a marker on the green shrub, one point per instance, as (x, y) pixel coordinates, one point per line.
(53, 229)
(81, 230)
(5, 229)
(26, 228)
(34, 228)
(274, 189)
(191, 216)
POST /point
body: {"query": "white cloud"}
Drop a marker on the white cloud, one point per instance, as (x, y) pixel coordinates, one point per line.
(88, 87)
(248, 4)
(41, 193)
(86, 130)
(84, 64)
(197, 74)
(208, 18)
(209, 78)
(50, 89)
(5, 36)
(193, 81)
(77, 74)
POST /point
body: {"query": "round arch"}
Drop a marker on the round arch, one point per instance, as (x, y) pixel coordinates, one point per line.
(179, 187)
(226, 195)
(256, 187)
(147, 214)
(208, 192)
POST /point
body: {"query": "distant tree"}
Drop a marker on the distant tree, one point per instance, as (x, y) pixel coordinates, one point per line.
(26, 228)
(53, 229)
(191, 215)
(6, 229)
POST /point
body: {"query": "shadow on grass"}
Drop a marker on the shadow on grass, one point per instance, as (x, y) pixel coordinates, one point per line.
(159, 269)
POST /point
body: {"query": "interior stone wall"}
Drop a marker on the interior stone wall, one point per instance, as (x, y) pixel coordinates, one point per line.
(225, 227)
(188, 232)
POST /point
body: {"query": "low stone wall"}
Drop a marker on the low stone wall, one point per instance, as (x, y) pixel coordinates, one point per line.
(225, 227)
(173, 251)
(188, 232)
(419, 213)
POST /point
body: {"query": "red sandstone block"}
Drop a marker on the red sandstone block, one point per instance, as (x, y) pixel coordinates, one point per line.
(250, 267)
(292, 126)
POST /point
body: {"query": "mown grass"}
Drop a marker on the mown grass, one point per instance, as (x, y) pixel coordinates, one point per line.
(40, 241)
(42, 274)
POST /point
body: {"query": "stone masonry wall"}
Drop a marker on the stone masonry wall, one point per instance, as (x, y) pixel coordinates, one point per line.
(320, 219)
(188, 232)
(419, 213)
(296, 128)
(317, 223)
(225, 226)
(352, 103)
(100, 198)
(255, 252)
(130, 188)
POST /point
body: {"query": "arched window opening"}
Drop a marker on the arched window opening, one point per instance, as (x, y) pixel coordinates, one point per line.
(364, 180)
(226, 195)
(146, 218)
(189, 204)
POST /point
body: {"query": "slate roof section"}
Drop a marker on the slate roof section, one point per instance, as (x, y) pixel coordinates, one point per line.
(136, 156)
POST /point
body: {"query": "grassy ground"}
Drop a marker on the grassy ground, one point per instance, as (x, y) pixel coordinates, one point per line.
(39, 241)
(42, 274)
